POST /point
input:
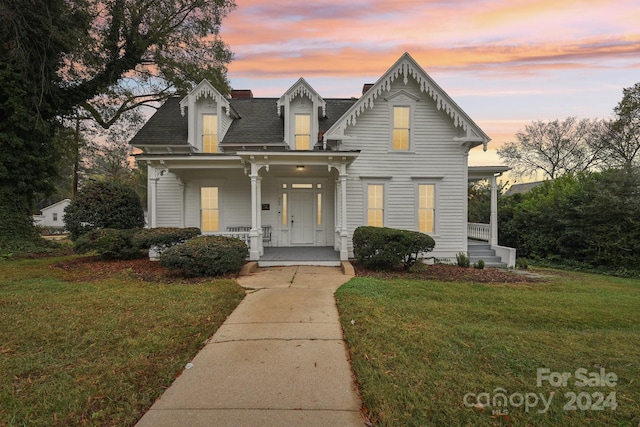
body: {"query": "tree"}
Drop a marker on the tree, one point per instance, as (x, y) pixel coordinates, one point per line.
(555, 148)
(60, 55)
(620, 141)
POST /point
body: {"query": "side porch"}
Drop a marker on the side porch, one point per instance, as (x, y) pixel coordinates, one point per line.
(483, 238)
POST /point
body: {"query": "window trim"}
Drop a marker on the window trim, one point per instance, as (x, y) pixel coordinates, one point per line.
(395, 109)
(436, 206)
(402, 99)
(218, 208)
(365, 214)
(295, 130)
(217, 131)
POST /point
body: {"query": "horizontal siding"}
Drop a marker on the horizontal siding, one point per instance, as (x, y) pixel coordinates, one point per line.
(434, 154)
(169, 202)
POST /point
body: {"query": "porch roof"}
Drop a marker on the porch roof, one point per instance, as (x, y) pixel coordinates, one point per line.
(484, 172)
(242, 158)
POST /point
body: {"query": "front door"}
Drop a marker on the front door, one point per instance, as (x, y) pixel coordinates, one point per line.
(301, 217)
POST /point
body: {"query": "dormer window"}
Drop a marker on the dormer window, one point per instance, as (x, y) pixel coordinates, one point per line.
(303, 131)
(209, 133)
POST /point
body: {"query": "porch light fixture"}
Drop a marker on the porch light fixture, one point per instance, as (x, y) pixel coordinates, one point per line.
(300, 168)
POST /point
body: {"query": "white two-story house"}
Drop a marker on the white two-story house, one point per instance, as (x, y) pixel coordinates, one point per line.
(305, 171)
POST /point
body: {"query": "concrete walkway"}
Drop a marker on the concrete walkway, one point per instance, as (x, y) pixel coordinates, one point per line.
(278, 360)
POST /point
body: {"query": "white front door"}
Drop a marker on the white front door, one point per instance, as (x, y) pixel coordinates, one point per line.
(301, 217)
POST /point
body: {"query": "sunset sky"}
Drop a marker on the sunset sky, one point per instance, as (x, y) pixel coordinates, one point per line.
(505, 62)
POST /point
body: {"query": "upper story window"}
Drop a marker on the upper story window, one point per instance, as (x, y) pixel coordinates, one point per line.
(303, 131)
(209, 133)
(401, 128)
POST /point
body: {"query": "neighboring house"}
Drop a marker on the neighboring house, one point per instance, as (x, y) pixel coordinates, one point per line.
(52, 215)
(522, 188)
(303, 170)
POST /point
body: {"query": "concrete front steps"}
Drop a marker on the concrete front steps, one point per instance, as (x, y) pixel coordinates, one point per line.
(482, 251)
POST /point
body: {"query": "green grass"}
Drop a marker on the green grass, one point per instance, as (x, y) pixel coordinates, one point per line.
(96, 352)
(418, 347)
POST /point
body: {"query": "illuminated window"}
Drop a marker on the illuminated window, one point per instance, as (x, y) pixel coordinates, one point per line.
(426, 208)
(299, 186)
(375, 205)
(401, 128)
(319, 213)
(210, 214)
(303, 131)
(209, 133)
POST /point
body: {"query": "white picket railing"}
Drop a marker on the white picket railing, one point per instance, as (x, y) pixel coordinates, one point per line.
(479, 231)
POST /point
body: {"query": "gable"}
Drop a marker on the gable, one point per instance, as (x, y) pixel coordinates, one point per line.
(404, 69)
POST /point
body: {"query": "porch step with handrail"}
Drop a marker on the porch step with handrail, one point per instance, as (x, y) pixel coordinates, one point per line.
(478, 250)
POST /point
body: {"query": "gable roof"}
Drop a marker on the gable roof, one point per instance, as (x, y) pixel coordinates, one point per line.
(260, 123)
(166, 127)
(406, 67)
(522, 188)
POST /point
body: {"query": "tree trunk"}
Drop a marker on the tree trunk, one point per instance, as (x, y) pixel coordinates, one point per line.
(17, 220)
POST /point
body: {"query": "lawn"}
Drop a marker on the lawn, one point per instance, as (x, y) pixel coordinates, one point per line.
(428, 352)
(96, 343)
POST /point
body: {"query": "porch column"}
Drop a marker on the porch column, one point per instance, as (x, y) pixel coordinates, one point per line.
(344, 243)
(337, 209)
(254, 251)
(182, 204)
(152, 196)
(494, 211)
(259, 215)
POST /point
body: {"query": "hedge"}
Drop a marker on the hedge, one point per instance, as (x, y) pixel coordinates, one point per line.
(162, 238)
(109, 243)
(206, 256)
(383, 248)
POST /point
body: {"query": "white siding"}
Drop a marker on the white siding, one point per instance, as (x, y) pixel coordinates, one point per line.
(434, 158)
(169, 202)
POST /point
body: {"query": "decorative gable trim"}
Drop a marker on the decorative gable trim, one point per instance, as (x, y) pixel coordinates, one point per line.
(204, 89)
(404, 68)
(301, 88)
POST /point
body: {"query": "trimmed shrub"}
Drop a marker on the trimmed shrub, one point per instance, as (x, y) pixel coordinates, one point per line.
(103, 205)
(206, 256)
(383, 248)
(479, 265)
(109, 243)
(163, 238)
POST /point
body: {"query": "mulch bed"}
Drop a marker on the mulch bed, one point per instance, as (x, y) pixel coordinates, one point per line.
(93, 268)
(450, 273)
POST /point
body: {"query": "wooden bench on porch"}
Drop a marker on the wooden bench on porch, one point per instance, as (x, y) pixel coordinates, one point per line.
(266, 231)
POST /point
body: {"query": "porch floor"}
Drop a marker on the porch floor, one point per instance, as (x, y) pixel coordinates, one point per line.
(300, 255)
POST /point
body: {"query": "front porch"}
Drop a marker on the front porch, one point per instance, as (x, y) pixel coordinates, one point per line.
(325, 256)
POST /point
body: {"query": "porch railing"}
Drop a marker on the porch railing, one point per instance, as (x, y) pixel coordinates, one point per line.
(478, 231)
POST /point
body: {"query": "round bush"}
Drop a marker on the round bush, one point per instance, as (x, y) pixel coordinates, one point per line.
(383, 248)
(103, 205)
(206, 256)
